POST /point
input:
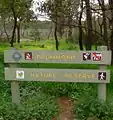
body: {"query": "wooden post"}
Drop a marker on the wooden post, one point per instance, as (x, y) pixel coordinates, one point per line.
(102, 86)
(15, 88)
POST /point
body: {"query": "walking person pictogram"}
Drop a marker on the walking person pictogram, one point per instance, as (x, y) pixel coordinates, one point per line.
(102, 76)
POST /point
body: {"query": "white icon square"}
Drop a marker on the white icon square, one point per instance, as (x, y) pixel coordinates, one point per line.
(19, 74)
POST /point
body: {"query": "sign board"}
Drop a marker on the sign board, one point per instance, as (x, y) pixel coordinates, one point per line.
(57, 75)
(75, 57)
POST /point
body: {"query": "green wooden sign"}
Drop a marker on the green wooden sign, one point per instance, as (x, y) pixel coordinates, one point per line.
(100, 76)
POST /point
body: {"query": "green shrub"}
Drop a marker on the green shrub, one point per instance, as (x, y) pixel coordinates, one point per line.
(72, 47)
(73, 90)
(40, 107)
(90, 107)
(42, 45)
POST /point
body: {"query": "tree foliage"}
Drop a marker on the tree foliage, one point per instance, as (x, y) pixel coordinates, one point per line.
(19, 10)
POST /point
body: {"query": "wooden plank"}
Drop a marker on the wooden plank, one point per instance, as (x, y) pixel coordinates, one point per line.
(102, 86)
(15, 92)
(57, 75)
(42, 56)
(15, 87)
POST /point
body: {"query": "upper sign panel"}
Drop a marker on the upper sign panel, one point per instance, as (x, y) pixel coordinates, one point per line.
(42, 56)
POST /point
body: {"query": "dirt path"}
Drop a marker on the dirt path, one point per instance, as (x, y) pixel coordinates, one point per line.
(66, 109)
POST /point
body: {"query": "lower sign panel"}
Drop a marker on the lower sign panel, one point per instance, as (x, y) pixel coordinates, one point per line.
(58, 75)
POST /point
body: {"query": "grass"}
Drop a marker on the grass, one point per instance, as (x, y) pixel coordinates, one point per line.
(35, 93)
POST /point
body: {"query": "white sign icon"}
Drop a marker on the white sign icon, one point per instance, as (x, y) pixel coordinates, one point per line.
(102, 76)
(19, 74)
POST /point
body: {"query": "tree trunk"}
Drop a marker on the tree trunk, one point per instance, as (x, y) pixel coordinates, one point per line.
(15, 24)
(70, 38)
(18, 33)
(102, 5)
(105, 25)
(13, 33)
(55, 35)
(89, 25)
(61, 32)
(51, 30)
(4, 25)
(80, 28)
(100, 26)
(111, 45)
(111, 41)
(70, 34)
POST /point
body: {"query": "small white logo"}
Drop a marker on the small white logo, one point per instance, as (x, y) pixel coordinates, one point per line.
(19, 74)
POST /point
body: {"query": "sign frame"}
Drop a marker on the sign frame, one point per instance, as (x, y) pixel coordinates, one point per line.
(18, 57)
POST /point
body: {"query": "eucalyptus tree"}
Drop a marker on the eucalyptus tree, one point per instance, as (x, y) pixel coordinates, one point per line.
(5, 18)
(111, 25)
(89, 25)
(20, 10)
(80, 26)
(54, 9)
(105, 28)
(61, 13)
(24, 14)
